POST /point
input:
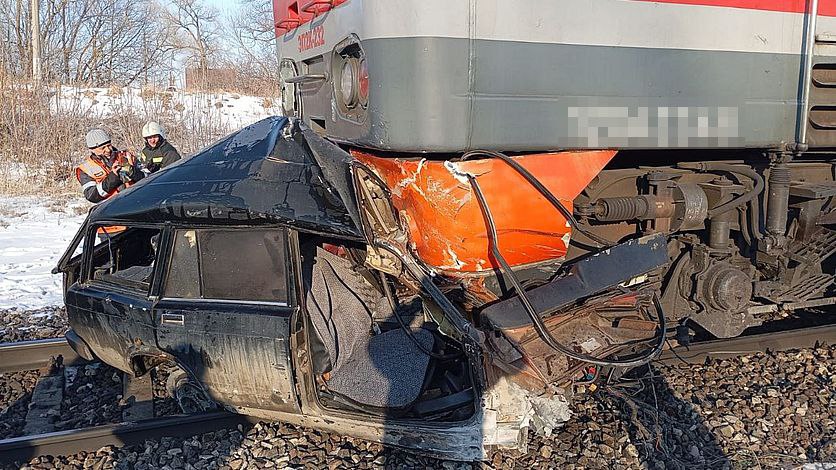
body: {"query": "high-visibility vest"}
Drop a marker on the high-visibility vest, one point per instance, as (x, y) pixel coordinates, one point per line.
(95, 169)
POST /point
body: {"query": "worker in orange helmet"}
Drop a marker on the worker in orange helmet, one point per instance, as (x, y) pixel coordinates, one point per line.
(106, 170)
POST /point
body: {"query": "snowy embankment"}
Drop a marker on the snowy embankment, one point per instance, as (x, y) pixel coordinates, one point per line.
(34, 232)
(33, 235)
(230, 110)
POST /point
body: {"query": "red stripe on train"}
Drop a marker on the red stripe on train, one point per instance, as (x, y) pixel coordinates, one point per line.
(826, 7)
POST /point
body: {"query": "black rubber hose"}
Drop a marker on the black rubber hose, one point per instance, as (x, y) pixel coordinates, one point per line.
(539, 326)
(738, 170)
(755, 218)
(566, 213)
(743, 221)
(387, 289)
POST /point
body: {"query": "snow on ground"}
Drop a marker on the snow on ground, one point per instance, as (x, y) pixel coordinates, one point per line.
(33, 235)
(231, 109)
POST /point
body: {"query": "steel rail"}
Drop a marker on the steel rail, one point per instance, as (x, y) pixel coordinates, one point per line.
(24, 448)
(697, 353)
(31, 355)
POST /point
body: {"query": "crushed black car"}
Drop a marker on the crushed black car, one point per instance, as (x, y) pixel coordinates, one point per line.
(273, 270)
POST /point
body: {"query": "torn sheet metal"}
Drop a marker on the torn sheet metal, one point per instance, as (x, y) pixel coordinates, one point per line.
(614, 266)
(271, 171)
(599, 328)
(446, 224)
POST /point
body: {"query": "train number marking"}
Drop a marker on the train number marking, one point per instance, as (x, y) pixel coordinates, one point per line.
(312, 38)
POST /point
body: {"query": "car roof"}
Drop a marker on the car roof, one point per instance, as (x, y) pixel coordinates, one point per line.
(273, 171)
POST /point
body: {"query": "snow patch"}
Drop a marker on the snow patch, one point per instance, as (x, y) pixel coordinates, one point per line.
(33, 235)
(232, 110)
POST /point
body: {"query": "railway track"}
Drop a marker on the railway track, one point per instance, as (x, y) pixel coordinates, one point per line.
(37, 354)
(30, 355)
(34, 354)
(24, 448)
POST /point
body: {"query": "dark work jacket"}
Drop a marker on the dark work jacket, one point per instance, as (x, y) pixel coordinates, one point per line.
(163, 155)
(98, 189)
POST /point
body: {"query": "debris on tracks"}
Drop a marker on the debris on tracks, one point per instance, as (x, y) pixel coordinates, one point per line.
(45, 403)
(15, 393)
(764, 410)
(92, 397)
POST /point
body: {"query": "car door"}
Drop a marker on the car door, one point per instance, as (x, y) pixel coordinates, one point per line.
(225, 313)
(110, 304)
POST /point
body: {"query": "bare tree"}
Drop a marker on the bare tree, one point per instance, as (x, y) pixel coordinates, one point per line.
(96, 42)
(121, 42)
(253, 45)
(252, 30)
(197, 33)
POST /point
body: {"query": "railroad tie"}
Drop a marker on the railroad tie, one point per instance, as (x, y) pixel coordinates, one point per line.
(138, 394)
(45, 405)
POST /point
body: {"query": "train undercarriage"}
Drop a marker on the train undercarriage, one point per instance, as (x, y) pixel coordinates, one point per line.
(705, 248)
(659, 185)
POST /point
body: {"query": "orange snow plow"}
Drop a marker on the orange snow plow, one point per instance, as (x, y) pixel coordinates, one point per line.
(446, 223)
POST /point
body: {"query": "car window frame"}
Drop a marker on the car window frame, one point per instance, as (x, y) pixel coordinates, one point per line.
(164, 267)
(89, 251)
(68, 259)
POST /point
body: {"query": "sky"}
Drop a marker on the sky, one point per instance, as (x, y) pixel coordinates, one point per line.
(225, 7)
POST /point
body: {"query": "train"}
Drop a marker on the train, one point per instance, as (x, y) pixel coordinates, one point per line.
(473, 210)
(707, 119)
(566, 128)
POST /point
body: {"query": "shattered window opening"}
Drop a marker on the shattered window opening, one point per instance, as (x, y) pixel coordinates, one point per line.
(229, 265)
(126, 259)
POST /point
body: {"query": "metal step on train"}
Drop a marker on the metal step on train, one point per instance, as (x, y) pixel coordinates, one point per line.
(821, 125)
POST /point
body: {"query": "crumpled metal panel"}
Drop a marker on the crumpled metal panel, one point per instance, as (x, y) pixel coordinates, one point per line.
(266, 172)
(591, 275)
(446, 223)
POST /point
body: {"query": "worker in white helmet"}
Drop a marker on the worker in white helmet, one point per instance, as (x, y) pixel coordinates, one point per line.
(106, 170)
(158, 152)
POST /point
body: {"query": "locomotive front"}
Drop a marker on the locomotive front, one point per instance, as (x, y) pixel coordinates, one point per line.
(581, 179)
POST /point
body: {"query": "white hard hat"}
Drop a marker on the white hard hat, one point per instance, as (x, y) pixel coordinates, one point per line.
(97, 138)
(152, 128)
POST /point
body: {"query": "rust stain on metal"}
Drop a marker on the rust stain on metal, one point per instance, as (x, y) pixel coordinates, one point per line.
(599, 329)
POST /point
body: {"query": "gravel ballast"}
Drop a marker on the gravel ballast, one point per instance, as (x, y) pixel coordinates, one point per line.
(15, 393)
(92, 395)
(22, 325)
(775, 410)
